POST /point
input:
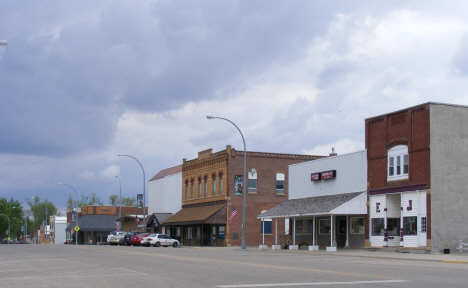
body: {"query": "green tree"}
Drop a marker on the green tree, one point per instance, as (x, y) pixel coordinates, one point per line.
(130, 201)
(41, 211)
(113, 200)
(11, 210)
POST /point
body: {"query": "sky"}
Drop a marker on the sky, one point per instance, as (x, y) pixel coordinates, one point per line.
(84, 81)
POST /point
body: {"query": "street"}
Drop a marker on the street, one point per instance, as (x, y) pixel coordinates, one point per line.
(110, 266)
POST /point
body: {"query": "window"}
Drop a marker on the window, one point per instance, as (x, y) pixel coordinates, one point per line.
(423, 224)
(186, 190)
(252, 182)
(393, 226)
(357, 225)
(191, 188)
(324, 226)
(378, 226)
(411, 225)
(303, 226)
(220, 184)
(214, 232)
(206, 187)
(199, 187)
(398, 163)
(222, 233)
(189, 233)
(280, 183)
(214, 185)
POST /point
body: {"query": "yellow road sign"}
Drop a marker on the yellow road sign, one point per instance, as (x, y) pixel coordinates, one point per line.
(77, 228)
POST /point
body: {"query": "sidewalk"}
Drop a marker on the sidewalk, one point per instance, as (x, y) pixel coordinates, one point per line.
(383, 254)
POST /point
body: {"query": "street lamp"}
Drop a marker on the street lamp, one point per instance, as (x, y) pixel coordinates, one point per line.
(120, 197)
(244, 178)
(9, 231)
(77, 201)
(144, 196)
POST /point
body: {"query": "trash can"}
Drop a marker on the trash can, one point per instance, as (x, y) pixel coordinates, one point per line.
(446, 251)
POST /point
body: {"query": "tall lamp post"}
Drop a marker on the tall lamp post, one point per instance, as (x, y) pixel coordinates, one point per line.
(144, 196)
(77, 201)
(120, 197)
(244, 179)
(9, 231)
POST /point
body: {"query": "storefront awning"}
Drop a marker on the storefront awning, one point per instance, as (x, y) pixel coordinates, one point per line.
(339, 204)
(212, 214)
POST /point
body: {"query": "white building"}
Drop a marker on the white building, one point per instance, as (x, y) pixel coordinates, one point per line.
(327, 202)
(57, 232)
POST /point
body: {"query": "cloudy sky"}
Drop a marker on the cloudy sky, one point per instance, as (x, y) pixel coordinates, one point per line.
(83, 81)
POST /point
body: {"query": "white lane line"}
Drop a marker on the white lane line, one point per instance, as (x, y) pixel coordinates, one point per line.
(313, 284)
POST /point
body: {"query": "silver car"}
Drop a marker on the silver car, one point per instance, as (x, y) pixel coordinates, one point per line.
(163, 240)
(117, 239)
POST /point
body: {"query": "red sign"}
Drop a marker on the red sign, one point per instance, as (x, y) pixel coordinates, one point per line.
(328, 174)
(315, 177)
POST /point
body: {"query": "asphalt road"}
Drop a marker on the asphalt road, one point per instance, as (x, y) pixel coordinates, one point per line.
(109, 266)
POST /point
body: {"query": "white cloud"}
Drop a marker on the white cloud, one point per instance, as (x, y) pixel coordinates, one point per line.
(342, 146)
(110, 172)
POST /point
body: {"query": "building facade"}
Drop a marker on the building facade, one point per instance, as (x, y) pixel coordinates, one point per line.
(212, 189)
(326, 205)
(417, 177)
(96, 222)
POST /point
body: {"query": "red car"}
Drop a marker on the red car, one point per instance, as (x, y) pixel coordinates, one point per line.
(135, 240)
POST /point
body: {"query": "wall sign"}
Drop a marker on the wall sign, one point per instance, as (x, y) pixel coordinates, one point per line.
(328, 174)
(315, 177)
(323, 175)
(238, 185)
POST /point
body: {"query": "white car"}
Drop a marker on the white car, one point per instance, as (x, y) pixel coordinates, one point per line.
(145, 241)
(163, 240)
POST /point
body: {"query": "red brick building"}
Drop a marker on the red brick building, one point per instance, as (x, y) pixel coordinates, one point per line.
(417, 177)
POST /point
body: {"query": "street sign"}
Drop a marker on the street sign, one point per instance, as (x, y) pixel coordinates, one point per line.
(77, 228)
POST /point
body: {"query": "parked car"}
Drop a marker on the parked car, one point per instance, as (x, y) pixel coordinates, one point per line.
(110, 235)
(116, 239)
(145, 241)
(135, 241)
(164, 240)
(128, 237)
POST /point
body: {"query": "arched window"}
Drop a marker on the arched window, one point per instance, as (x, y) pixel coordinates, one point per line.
(252, 182)
(214, 184)
(220, 183)
(186, 189)
(191, 188)
(397, 163)
(199, 187)
(206, 187)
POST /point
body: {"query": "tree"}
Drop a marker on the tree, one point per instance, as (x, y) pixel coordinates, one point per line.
(13, 211)
(130, 201)
(113, 200)
(86, 200)
(41, 212)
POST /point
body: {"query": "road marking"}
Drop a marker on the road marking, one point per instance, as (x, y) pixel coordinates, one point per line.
(257, 265)
(313, 284)
(455, 261)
